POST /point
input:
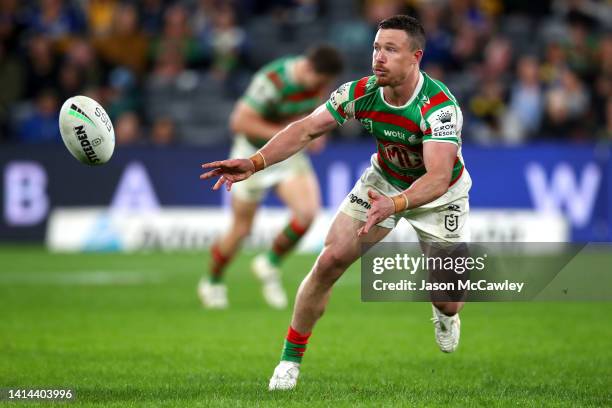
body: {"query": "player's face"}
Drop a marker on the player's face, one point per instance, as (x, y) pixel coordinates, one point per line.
(393, 57)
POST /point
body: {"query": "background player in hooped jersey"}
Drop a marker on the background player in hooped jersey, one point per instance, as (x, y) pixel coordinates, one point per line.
(281, 92)
(417, 174)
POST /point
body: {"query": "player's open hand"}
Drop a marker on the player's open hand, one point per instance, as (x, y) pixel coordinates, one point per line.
(381, 208)
(230, 171)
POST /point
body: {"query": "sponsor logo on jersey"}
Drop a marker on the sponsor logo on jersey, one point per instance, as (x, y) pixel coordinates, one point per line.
(86, 145)
(394, 133)
(340, 96)
(444, 130)
(402, 156)
(453, 207)
(445, 116)
(444, 124)
(359, 201)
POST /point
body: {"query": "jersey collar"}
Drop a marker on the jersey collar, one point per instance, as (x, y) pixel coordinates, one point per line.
(417, 90)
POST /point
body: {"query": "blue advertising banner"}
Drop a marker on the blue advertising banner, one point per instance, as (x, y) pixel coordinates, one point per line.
(572, 180)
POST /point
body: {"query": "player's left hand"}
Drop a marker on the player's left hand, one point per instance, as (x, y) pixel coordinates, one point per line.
(381, 208)
(229, 171)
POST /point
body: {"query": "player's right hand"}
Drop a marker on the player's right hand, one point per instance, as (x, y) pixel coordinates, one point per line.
(230, 171)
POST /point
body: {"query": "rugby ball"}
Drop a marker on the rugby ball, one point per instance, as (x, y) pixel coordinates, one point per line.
(87, 130)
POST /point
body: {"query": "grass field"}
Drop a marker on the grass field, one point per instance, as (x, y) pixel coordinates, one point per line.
(127, 330)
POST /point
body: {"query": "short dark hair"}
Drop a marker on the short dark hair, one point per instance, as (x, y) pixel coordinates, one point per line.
(410, 25)
(325, 59)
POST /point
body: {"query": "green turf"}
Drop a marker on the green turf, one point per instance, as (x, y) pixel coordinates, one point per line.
(127, 330)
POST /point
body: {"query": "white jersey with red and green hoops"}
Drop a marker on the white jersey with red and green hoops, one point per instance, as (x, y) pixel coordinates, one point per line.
(277, 97)
(431, 115)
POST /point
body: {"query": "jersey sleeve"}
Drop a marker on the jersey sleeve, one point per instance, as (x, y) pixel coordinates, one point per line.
(262, 93)
(339, 101)
(443, 123)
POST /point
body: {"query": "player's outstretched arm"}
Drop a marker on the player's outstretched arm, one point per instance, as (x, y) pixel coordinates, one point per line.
(439, 159)
(297, 135)
(287, 142)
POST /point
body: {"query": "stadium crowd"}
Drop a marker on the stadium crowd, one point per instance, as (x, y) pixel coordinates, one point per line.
(169, 71)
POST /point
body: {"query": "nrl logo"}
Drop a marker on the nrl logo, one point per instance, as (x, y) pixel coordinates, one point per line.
(414, 139)
(451, 222)
(369, 85)
(367, 124)
(444, 117)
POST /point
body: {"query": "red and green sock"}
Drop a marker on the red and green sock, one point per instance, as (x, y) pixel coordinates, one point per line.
(286, 240)
(218, 263)
(295, 346)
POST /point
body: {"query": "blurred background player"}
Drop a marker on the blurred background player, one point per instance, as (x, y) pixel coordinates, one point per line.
(281, 92)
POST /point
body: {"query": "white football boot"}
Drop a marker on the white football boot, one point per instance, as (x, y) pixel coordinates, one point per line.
(272, 287)
(447, 329)
(285, 376)
(212, 295)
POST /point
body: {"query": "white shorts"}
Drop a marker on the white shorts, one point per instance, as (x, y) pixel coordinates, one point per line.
(442, 220)
(255, 187)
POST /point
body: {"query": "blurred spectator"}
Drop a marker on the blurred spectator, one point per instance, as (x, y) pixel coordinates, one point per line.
(604, 56)
(177, 35)
(163, 132)
(127, 129)
(602, 88)
(606, 132)
(11, 26)
(201, 18)
(476, 14)
(375, 11)
(100, 15)
(439, 41)
(168, 65)
(228, 42)
(580, 48)
(285, 11)
(39, 124)
(497, 59)
(57, 19)
(554, 64)
(41, 65)
(486, 108)
(125, 45)
(70, 82)
(151, 15)
(11, 84)
(526, 99)
(307, 11)
(591, 11)
(466, 47)
(82, 55)
(566, 106)
(122, 94)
